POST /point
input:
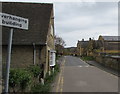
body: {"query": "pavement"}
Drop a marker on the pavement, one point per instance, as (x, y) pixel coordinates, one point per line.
(78, 76)
(104, 68)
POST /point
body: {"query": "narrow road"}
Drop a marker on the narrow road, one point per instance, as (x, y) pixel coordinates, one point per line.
(78, 76)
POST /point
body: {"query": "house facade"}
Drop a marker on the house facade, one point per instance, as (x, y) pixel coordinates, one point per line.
(104, 44)
(70, 51)
(109, 44)
(82, 47)
(35, 45)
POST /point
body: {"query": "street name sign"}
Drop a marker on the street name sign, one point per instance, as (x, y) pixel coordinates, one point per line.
(13, 21)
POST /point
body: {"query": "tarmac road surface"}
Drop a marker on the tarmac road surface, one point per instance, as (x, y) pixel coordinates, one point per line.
(77, 76)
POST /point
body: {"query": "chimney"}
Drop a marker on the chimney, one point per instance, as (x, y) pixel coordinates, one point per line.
(82, 39)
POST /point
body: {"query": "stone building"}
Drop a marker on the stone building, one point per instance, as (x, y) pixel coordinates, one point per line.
(35, 45)
(91, 47)
(82, 47)
(109, 44)
(104, 44)
(70, 51)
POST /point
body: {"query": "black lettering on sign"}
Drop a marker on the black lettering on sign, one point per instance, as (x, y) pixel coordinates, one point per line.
(11, 23)
(3, 22)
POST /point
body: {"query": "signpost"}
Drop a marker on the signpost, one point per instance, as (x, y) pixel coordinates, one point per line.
(13, 22)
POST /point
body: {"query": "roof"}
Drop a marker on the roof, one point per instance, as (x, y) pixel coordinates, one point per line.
(70, 48)
(111, 38)
(117, 57)
(83, 43)
(39, 18)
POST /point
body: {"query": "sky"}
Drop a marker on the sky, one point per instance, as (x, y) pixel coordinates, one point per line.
(84, 20)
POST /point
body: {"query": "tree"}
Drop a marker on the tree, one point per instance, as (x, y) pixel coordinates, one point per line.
(59, 41)
(59, 45)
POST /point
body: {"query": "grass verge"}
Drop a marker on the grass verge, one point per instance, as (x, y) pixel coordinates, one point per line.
(87, 58)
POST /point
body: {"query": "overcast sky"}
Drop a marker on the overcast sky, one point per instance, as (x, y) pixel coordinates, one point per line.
(75, 21)
(83, 19)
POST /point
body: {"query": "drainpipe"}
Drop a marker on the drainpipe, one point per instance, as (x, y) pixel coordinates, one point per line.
(34, 53)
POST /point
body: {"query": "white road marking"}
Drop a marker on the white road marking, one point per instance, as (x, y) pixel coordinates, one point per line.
(85, 66)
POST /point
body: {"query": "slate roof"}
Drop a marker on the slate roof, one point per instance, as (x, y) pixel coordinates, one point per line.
(111, 38)
(39, 17)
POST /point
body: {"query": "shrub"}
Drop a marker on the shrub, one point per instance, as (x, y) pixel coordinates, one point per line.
(47, 85)
(19, 78)
(13, 78)
(44, 89)
(57, 67)
(49, 78)
(41, 88)
(35, 69)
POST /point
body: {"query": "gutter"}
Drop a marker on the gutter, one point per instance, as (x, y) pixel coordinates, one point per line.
(34, 54)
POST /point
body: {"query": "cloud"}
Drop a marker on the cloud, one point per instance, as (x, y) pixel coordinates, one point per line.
(74, 21)
(72, 37)
(52, 1)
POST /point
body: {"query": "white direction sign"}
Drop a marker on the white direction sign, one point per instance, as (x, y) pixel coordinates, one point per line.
(13, 21)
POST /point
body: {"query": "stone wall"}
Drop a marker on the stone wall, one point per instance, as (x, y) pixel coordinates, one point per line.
(108, 62)
(21, 56)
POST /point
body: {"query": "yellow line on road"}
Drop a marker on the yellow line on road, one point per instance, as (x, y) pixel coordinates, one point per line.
(62, 78)
(60, 82)
(59, 79)
(61, 90)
